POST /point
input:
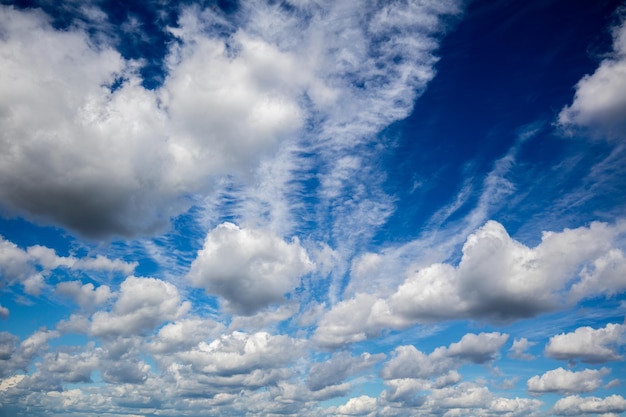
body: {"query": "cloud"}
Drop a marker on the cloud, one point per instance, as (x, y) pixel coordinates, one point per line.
(86, 296)
(501, 279)
(30, 267)
(103, 156)
(339, 367)
(498, 279)
(575, 405)
(519, 349)
(599, 104)
(183, 335)
(588, 344)
(358, 406)
(567, 382)
(249, 268)
(72, 368)
(409, 362)
(142, 305)
(4, 312)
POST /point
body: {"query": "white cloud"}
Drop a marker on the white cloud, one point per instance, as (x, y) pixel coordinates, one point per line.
(130, 158)
(498, 279)
(599, 104)
(358, 406)
(567, 382)
(249, 268)
(588, 344)
(142, 305)
(183, 334)
(409, 362)
(339, 367)
(4, 312)
(520, 347)
(86, 296)
(575, 405)
(70, 368)
(30, 267)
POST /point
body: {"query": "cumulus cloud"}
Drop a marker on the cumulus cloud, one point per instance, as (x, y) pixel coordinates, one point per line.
(567, 382)
(183, 335)
(599, 104)
(86, 295)
(409, 362)
(501, 279)
(576, 405)
(339, 367)
(588, 344)
(30, 267)
(498, 279)
(358, 406)
(520, 347)
(249, 268)
(4, 312)
(142, 305)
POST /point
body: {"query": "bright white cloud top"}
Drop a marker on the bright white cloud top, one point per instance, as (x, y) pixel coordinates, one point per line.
(312, 208)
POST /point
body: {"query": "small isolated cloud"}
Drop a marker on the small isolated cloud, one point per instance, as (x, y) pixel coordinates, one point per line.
(520, 347)
(576, 405)
(588, 344)
(249, 268)
(4, 312)
(567, 382)
(600, 103)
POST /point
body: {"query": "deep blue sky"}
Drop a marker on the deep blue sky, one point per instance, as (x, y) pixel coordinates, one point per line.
(312, 208)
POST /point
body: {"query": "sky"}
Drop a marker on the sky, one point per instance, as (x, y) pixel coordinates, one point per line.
(312, 208)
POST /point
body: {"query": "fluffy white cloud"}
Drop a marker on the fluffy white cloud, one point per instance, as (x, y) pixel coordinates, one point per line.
(520, 347)
(358, 406)
(599, 103)
(183, 335)
(575, 405)
(70, 367)
(501, 279)
(249, 268)
(29, 267)
(567, 382)
(498, 279)
(85, 295)
(409, 362)
(122, 161)
(588, 344)
(142, 305)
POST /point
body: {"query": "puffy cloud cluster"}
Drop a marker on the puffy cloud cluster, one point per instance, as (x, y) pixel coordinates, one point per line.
(576, 405)
(249, 268)
(567, 382)
(409, 362)
(142, 305)
(588, 344)
(599, 104)
(497, 279)
(29, 267)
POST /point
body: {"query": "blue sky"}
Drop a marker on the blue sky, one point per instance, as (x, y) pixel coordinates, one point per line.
(312, 208)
